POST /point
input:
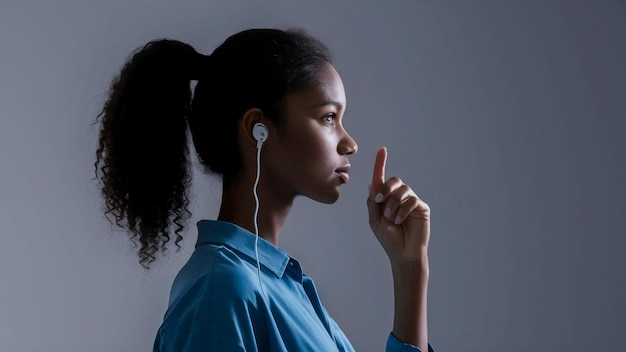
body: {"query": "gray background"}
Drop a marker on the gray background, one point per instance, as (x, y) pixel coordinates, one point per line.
(506, 117)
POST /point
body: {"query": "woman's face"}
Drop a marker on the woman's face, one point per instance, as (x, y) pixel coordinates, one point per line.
(309, 156)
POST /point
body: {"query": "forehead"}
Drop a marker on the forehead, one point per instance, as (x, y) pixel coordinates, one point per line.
(328, 90)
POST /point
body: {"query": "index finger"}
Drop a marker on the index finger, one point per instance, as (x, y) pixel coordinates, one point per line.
(378, 176)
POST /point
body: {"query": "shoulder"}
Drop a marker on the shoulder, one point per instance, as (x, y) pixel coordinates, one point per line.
(215, 291)
(217, 272)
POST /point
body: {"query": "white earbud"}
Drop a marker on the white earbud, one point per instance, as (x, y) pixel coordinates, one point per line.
(260, 133)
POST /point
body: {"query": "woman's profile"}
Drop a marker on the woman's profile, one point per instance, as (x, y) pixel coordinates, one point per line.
(266, 114)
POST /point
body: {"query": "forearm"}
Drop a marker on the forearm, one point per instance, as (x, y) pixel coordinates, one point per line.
(410, 281)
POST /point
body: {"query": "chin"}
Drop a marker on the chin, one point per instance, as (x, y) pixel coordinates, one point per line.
(327, 194)
(328, 198)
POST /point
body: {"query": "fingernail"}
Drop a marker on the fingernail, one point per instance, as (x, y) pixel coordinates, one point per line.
(379, 198)
(398, 220)
(387, 213)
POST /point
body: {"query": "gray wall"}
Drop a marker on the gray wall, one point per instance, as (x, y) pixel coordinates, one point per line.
(506, 117)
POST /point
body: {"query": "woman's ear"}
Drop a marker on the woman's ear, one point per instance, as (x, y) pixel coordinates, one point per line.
(246, 125)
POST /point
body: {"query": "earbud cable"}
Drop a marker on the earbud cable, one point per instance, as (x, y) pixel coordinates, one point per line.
(256, 214)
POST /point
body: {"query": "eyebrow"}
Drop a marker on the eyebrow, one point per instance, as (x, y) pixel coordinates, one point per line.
(336, 104)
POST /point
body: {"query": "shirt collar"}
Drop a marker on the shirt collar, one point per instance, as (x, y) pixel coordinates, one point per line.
(242, 241)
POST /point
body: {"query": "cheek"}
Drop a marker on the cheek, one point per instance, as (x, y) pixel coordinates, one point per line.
(302, 142)
(311, 151)
(316, 145)
(320, 159)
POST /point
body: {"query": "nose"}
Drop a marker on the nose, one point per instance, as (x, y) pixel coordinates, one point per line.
(347, 146)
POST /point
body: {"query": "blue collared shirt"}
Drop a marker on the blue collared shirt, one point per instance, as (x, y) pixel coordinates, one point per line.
(216, 302)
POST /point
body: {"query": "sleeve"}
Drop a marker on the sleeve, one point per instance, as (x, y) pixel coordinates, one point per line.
(395, 345)
(197, 323)
(218, 312)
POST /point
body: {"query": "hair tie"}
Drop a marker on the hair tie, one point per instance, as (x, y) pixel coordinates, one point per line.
(201, 67)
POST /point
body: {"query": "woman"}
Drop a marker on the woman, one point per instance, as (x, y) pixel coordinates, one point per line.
(262, 92)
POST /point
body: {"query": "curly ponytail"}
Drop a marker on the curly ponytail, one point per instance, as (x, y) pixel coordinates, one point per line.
(142, 157)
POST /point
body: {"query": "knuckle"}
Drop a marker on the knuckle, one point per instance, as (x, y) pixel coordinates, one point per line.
(395, 179)
(412, 201)
(406, 192)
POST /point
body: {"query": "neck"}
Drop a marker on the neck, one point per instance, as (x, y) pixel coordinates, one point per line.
(238, 205)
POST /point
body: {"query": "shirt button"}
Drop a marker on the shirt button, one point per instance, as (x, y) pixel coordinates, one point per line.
(290, 263)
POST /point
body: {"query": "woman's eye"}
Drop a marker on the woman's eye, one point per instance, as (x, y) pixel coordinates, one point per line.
(330, 118)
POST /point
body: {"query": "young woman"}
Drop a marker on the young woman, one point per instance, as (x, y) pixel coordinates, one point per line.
(266, 115)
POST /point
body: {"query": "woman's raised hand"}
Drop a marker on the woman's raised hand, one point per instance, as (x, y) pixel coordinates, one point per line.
(401, 222)
(398, 217)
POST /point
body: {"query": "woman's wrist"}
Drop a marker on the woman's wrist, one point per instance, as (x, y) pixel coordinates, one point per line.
(415, 266)
(410, 281)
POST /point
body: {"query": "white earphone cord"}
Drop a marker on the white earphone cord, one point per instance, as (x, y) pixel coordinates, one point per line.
(256, 214)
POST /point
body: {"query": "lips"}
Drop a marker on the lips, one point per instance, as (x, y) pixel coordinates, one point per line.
(343, 173)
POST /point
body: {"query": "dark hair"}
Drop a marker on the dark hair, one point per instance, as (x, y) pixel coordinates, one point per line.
(142, 158)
